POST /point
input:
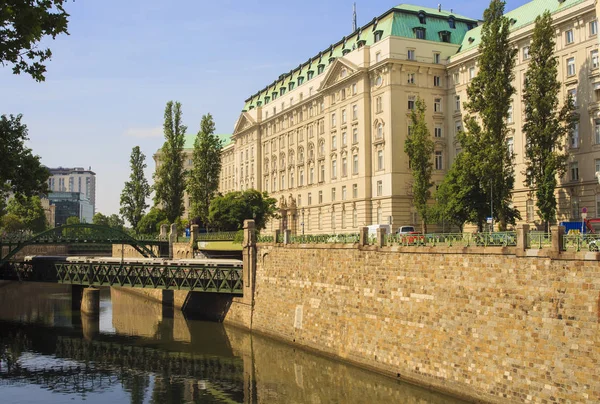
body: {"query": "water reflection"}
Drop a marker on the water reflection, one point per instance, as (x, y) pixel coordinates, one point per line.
(145, 354)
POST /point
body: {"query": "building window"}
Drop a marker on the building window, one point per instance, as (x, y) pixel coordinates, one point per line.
(320, 197)
(334, 169)
(322, 173)
(334, 142)
(437, 81)
(570, 67)
(378, 107)
(594, 59)
(572, 93)
(379, 188)
(309, 199)
(569, 38)
(509, 118)
(344, 166)
(457, 103)
(445, 36)
(377, 57)
(311, 176)
(420, 33)
(597, 165)
(282, 182)
(354, 136)
(380, 160)
(301, 178)
(411, 102)
(378, 81)
(343, 193)
(471, 73)
(343, 116)
(411, 78)
(574, 136)
(320, 69)
(510, 143)
(354, 191)
(593, 27)
(458, 127)
(525, 52)
(410, 54)
(597, 131)
(437, 105)
(354, 89)
(355, 164)
(437, 131)
(377, 36)
(379, 133)
(436, 57)
(574, 169)
(530, 210)
(355, 112)
(333, 122)
(344, 139)
(439, 163)
(456, 77)
(451, 22)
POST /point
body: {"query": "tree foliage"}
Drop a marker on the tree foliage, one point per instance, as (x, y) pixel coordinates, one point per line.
(228, 212)
(23, 24)
(484, 139)
(169, 178)
(419, 148)
(100, 219)
(21, 173)
(110, 221)
(150, 222)
(136, 190)
(25, 213)
(546, 126)
(203, 181)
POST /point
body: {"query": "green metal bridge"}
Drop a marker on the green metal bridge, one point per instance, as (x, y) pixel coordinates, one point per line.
(218, 276)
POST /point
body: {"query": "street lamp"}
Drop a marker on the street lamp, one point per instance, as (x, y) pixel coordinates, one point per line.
(302, 224)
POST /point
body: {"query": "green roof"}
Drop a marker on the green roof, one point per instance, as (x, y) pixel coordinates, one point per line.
(399, 21)
(190, 139)
(522, 16)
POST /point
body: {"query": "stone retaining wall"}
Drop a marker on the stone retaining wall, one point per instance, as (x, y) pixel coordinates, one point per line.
(479, 323)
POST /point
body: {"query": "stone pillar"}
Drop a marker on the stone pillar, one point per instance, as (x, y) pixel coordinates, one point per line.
(557, 233)
(194, 232)
(249, 261)
(277, 233)
(364, 236)
(90, 325)
(522, 232)
(164, 230)
(172, 239)
(90, 302)
(287, 236)
(381, 237)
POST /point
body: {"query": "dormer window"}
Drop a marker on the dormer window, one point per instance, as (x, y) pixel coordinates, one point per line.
(310, 74)
(267, 99)
(345, 51)
(422, 19)
(331, 59)
(320, 68)
(275, 94)
(451, 22)
(291, 85)
(444, 36)
(377, 35)
(259, 103)
(282, 90)
(419, 33)
(360, 43)
(300, 80)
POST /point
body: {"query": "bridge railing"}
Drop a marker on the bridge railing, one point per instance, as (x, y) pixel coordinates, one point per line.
(217, 236)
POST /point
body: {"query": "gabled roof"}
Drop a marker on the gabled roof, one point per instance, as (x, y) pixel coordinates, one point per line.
(522, 16)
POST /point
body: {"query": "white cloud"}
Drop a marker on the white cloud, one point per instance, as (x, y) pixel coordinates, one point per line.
(144, 133)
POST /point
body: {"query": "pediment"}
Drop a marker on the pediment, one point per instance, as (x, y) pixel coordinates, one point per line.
(334, 74)
(244, 121)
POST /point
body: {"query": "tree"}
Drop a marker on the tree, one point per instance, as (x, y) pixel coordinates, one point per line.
(23, 24)
(115, 222)
(203, 182)
(169, 177)
(150, 222)
(72, 220)
(11, 223)
(545, 125)
(489, 98)
(29, 211)
(136, 190)
(100, 219)
(419, 148)
(228, 212)
(21, 173)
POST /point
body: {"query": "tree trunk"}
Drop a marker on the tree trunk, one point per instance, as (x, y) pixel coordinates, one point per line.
(423, 226)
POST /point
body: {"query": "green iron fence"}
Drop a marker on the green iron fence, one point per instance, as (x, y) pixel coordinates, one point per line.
(499, 239)
(349, 238)
(581, 242)
(217, 236)
(539, 240)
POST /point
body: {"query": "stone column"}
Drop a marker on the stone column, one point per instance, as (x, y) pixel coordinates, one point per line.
(522, 231)
(249, 261)
(364, 236)
(172, 239)
(557, 233)
(381, 237)
(287, 236)
(164, 230)
(194, 232)
(90, 302)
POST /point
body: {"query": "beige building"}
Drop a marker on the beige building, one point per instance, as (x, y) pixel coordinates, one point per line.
(327, 138)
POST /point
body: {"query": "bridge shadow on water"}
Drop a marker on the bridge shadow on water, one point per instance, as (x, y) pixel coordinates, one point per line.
(146, 353)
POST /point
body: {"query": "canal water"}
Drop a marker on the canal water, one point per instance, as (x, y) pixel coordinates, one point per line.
(138, 352)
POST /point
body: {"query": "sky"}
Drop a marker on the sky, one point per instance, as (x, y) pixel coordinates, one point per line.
(109, 80)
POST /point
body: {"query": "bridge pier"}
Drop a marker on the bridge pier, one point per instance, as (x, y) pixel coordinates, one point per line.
(90, 302)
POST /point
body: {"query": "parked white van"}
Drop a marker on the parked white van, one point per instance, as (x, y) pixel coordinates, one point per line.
(373, 229)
